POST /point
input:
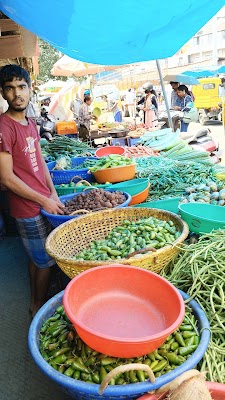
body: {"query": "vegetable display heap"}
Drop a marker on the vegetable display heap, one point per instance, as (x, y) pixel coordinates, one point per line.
(63, 349)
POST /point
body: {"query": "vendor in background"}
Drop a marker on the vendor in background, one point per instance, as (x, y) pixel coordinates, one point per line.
(75, 107)
(85, 118)
(184, 97)
(130, 98)
(150, 106)
(112, 106)
(174, 95)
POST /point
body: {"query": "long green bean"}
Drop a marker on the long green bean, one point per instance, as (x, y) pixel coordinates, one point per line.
(169, 177)
(199, 270)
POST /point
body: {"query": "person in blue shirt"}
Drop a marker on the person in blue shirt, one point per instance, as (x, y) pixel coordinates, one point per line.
(184, 101)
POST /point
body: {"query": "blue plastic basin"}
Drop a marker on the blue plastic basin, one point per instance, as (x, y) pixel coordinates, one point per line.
(60, 176)
(80, 390)
(56, 220)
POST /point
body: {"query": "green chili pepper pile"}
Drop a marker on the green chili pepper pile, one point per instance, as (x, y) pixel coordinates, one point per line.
(199, 271)
(114, 160)
(129, 237)
(63, 349)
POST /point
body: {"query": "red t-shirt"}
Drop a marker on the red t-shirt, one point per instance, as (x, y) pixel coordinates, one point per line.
(22, 143)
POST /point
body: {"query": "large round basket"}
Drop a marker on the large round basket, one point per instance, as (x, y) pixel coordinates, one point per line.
(73, 236)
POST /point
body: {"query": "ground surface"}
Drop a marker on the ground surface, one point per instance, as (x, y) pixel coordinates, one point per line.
(20, 379)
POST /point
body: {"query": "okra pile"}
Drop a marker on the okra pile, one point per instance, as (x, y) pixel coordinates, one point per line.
(64, 350)
(129, 237)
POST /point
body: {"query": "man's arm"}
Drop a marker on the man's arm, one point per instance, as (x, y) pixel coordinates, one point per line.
(16, 185)
(47, 174)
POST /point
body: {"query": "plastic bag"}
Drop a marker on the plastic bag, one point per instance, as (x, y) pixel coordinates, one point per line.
(190, 116)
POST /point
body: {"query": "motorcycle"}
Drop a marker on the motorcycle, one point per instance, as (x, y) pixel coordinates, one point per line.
(47, 125)
(203, 141)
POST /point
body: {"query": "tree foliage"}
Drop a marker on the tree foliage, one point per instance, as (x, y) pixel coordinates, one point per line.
(47, 58)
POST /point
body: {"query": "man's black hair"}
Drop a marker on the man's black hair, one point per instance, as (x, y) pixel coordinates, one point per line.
(11, 71)
(87, 98)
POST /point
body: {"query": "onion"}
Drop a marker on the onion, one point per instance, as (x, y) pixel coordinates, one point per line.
(222, 194)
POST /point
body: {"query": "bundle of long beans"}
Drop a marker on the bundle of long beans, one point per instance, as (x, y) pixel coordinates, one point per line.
(169, 177)
(62, 145)
(200, 271)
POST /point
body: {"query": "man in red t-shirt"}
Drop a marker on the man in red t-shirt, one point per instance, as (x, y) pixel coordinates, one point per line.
(25, 174)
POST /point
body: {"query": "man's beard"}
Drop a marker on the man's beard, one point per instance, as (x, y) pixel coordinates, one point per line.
(18, 108)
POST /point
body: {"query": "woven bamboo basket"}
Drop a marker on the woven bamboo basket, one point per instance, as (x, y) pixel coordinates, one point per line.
(73, 236)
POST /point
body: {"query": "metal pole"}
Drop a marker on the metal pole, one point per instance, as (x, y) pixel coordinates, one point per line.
(164, 95)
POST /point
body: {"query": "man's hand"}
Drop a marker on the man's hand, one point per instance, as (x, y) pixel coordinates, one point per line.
(176, 108)
(55, 197)
(53, 206)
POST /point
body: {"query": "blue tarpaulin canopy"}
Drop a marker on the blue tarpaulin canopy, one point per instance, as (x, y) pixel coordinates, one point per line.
(113, 33)
(205, 72)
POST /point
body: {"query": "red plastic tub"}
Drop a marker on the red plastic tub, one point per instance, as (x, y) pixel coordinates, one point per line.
(123, 311)
(106, 151)
(217, 391)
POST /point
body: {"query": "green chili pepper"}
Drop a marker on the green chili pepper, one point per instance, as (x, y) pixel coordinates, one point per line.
(127, 376)
(61, 369)
(174, 346)
(76, 375)
(120, 381)
(55, 317)
(188, 334)
(108, 368)
(69, 361)
(90, 361)
(197, 340)
(173, 358)
(54, 365)
(151, 356)
(147, 361)
(56, 331)
(141, 376)
(153, 364)
(69, 372)
(60, 309)
(184, 351)
(179, 338)
(103, 373)
(83, 352)
(79, 366)
(59, 352)
(190, 341)
(133, 377)
(96, 377)
(107, 361)
(86, 376)
(59, 359)
(186, 327)
(160, 366)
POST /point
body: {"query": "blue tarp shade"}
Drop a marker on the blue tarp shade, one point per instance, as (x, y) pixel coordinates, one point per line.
(116, 32)
(205, 72)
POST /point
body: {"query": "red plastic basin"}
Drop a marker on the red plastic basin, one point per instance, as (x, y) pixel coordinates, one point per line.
(123, 311)
(106, 151)
(217, 391)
